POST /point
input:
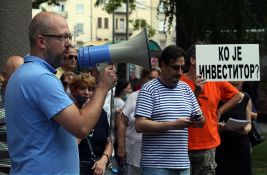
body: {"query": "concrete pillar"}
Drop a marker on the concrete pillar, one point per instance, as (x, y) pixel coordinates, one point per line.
(15, 17)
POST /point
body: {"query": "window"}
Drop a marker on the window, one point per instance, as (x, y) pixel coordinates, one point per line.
(106, 23)
(121, 23)
(62, 6)
(79, 8)
(116, 23)
(59, 8)
(79, 28)
(99, 23)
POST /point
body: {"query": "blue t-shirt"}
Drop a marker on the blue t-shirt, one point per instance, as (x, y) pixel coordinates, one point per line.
(37, 143)
(157, 102)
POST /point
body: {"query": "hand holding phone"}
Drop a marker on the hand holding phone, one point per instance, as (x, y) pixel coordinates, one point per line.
(195, 116)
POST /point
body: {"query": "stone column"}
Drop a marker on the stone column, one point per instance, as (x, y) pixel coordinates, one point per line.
(15, 17)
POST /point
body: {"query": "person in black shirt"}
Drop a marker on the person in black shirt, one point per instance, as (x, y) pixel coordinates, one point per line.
(233, 154)
(96, 149)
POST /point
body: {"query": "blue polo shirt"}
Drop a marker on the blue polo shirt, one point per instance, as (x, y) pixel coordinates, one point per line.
(37, 143)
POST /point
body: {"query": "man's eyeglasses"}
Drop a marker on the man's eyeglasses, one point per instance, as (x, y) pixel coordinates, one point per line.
(177, 67)
(64, 37)
(71, 57)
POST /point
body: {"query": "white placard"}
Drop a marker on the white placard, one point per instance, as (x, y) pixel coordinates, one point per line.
(228, 62)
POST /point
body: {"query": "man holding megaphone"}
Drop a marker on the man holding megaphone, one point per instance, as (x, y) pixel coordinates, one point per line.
(42, 121)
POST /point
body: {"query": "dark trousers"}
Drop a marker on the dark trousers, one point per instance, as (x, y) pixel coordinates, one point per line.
(86, 167)
(4, 170)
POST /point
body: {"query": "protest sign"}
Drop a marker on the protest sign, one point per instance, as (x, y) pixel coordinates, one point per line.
(228, 62)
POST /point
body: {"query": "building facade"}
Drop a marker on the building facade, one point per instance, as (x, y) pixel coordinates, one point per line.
(92, 25)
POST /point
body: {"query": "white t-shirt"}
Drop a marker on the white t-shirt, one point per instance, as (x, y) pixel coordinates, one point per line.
(133, 139)
(106, 106)
(118, 103)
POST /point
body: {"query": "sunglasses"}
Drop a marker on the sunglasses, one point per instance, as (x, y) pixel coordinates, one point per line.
(177, 67)
(71, 57)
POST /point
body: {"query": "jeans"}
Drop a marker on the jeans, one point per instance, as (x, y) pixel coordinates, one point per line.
(133, 170)
(164, 171)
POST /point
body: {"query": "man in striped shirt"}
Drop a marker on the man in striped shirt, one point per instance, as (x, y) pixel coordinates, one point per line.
(163, 113)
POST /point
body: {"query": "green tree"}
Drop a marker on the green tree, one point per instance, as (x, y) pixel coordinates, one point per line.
(141, 23)
(36, 3)
(217, 21)
(111, 5)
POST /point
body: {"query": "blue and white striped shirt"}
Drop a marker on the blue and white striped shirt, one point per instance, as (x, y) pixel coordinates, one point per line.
(160, 103)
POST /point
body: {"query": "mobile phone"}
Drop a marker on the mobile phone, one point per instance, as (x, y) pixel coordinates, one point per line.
(195, 116)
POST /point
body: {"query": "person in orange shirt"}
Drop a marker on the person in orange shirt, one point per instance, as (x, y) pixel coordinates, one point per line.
(203, 141)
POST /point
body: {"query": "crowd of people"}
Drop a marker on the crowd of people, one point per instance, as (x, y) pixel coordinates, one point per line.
(57, 120)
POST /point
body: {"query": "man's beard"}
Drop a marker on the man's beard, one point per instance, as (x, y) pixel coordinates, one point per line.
(56, 61)
(176, 79)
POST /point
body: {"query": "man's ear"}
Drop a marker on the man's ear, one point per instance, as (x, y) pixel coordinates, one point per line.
(192, 61)
(40, 41)
(162, 65)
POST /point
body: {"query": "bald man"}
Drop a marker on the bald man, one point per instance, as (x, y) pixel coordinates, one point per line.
(42, 121)
(12, 63)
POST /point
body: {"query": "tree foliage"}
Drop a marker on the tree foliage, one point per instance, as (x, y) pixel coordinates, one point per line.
(217, 21)
(111, 5)
(141, 23)
(36, 3)
(169, 9)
